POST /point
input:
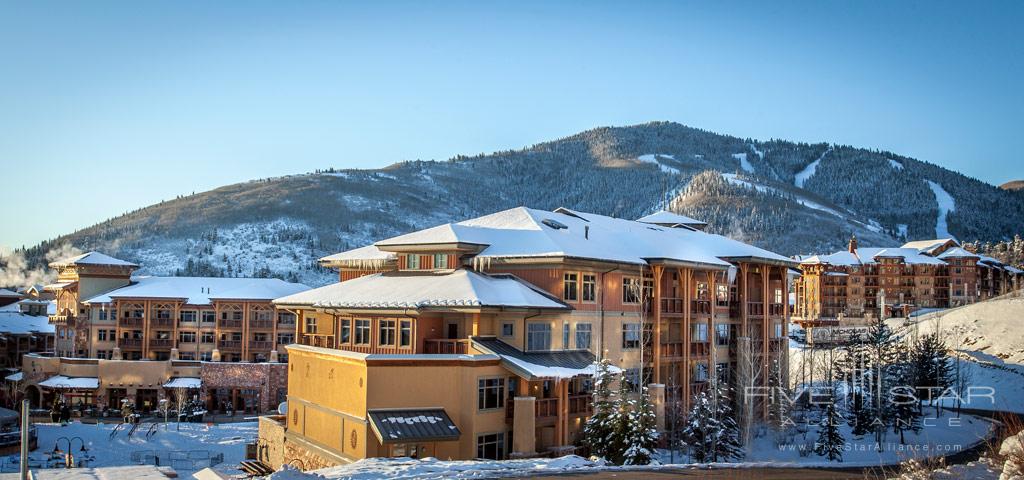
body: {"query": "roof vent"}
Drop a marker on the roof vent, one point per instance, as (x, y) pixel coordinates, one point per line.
(586, 232)
(553, 224)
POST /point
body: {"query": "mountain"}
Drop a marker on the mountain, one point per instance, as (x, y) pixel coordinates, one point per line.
(790, 197)
(1013, 185)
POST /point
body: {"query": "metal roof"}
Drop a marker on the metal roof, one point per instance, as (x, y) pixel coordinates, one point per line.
(412, 425)
(534, 365)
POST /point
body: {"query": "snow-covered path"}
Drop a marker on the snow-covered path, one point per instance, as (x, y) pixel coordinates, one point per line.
(809, 170)
(946, 205)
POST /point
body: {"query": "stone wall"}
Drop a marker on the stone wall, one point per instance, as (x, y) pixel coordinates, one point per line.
(270, 448)
(265, 377)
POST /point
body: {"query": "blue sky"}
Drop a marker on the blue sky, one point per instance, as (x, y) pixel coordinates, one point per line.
(106, 107)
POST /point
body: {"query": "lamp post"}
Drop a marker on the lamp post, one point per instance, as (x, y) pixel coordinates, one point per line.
(69, 457)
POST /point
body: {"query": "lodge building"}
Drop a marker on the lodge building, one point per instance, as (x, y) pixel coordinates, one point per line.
(858, 285)
(477, 339)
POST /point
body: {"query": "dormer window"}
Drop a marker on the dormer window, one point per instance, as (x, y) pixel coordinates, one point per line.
(434, 261)
(412, 262)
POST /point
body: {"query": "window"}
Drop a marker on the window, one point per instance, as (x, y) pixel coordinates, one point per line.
(209, 316)
(589, 288)
(570, 287)
(187, 316)
(101, 335)
(346, 331)
(722, 334)
(490, 393)
(630, 290)
(163, 314)
(386, 332)
(700, 372)
(565, 335)
(260, 337)
(631, 335)
(583, 336)
(103, 314)
(507, 329)
(702, 291)
(286, 318)
(778, 330)
(538, 336)
(310, 325)
(490, 446)
(440, 261)
(722, 295)
(206, 337)
(699, 332)
(362, 331)
(405, 333)
(412, 262)
(722, 370)
(187, 337)
(285, 338)
(633, 381)
(163, 335)
(778, 296)
(206, 356)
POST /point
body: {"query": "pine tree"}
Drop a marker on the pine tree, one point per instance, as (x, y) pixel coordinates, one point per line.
(830, 440)
(642, 435)
(598, 432)
(905, 404)
(727, 442)
(701, 425)
(880, 349)
(933, 369)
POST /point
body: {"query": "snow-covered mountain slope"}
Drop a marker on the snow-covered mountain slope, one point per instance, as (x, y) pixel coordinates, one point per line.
(279, 226)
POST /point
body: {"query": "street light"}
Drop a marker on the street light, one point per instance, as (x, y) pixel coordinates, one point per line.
(69, 457)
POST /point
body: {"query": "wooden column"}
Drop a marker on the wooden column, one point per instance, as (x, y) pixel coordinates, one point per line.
(713, 302)
(765, 330)
(147, 311)
(245, 331)
(476, 325)
(656, 347)
(216, 328)
(742, 294)
(686, 279)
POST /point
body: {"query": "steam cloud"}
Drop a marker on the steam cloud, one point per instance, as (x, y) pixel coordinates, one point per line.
(15, 271)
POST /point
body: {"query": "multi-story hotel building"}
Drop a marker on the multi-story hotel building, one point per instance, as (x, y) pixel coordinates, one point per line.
(120, 337)
(855, 286)
(477, 339)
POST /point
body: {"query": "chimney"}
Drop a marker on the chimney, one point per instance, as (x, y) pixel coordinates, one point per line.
(586, 232)
(853, 244)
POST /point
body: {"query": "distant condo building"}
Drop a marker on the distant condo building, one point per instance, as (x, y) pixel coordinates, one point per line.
(477, 339)
(856, 286)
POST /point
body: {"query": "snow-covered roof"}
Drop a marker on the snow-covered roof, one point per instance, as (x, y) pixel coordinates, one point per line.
(60, 381)
(9, 293)
(663, 217)
(202, 290)
(1013, 270)
(868, 255)
(92, 258)
(17, 323)
(15, 377)
(525, 232)
(840, 258)
(367, 257)
(184, 382)
(928, 246)
(460, 288)
(538, 365)
(133, 472)
(957, 252)
(59, 285)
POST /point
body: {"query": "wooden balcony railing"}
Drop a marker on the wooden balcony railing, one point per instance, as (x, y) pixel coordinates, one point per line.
(546, 407)
(775, 309)
(672, 349)
(700, 349)
(325, 341)
(581, 403)
(446, 346)
(229, 323)
(261, 324)
(162, 322)
(130, 322)
(229, 344)
(701, 307)
(261, 345)
(129, 343)
(755, 308)
(672, 305)
(160, 343)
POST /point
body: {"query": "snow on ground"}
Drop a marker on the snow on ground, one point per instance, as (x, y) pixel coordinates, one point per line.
(946, 204)
(655, 158)
(432, 468)
(895, 164)
(809, 170)
(744, 163)
(224, 438)
(759, 153)
(901, 228)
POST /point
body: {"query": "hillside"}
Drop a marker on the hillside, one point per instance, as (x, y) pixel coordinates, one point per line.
(788, 197)
(1014, 185)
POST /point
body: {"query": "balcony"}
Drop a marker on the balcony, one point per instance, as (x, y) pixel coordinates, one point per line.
(775, 309)
(261, 324)
(546, 407)
(700, 307)
(324, 341)
(59, 319)
(446, 346)
(261, 345)
(162, 322)
(581, 404)
(672, 305)
(161, 343)
(700, 349)
(672, 349)
(130, 322)
(222, 323)
(229, 344)
(129, 343)
(755, 309)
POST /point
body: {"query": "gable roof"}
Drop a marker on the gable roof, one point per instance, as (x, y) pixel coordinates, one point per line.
(538, 365)
(202, 290)
(17, 323)
(9, 293)
(928, 246)
(957, 252)
(869, 256)
(663, 217)
(92, 258)
(391, 290)
(529, 233)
